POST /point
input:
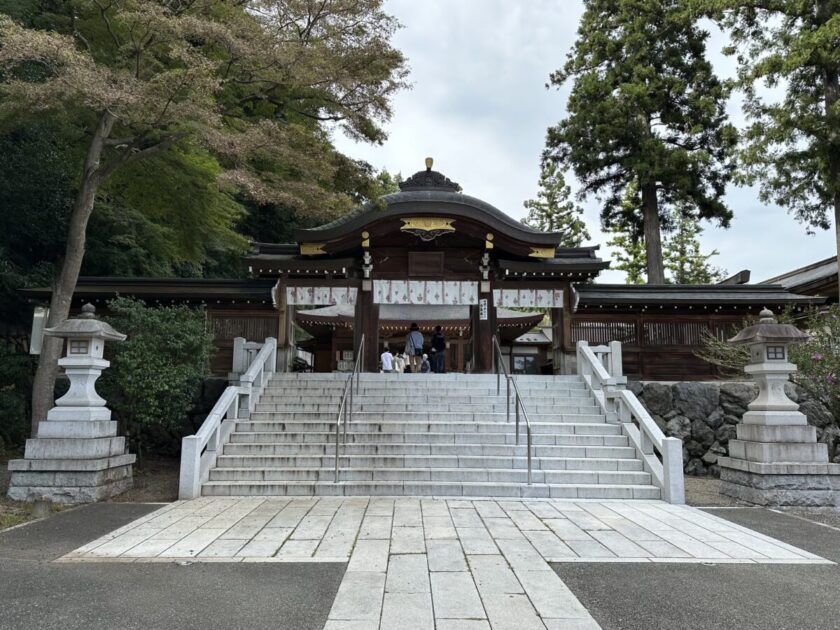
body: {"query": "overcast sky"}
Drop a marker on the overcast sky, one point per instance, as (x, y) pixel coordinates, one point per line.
(479, 106)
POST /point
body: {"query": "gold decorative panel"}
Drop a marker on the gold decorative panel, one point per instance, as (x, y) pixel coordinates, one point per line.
(312, 249)
(542, 252)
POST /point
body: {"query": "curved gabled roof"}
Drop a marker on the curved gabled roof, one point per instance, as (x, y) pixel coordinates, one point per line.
(431, 194)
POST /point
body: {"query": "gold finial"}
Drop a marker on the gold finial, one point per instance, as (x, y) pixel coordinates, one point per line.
(429, 163)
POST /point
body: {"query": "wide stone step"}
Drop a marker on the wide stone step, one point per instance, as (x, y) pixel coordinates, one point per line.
(429, 488)
(399, 437)
(367, 424)
(413, 399)
(429, 461)
(502, 475)
(442, 407)
(425, 416)
(380, 377)
(604, 447)
(447, 388)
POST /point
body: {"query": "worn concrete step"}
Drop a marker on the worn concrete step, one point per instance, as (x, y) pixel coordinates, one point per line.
(606, 446)
(429, 488)
(502, 475)
(429, 461)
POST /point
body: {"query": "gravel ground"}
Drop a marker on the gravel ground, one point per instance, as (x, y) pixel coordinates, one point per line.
(705, 492)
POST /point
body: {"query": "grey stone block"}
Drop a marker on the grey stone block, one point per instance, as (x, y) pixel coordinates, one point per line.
(658, 398)
(696, 400)
(71, 448)
(777, 433)
(771, 452)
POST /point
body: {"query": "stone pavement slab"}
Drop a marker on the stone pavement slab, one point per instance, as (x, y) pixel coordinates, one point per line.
(445, 563)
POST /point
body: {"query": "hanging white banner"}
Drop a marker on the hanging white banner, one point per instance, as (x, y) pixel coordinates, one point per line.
(321, 296)
(424, 292)
(541, 298)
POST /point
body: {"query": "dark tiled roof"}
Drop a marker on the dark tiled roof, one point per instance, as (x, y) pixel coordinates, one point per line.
(747, 294)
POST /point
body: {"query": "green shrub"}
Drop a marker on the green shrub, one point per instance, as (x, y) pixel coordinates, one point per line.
(156, 374)
(16, 372)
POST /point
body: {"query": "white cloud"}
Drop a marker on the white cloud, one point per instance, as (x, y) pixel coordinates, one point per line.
(480, 108)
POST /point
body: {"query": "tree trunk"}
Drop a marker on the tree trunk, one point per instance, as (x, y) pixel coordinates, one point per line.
(653, 238)
(65, 283)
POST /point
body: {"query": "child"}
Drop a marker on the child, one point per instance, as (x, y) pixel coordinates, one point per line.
(425, 367)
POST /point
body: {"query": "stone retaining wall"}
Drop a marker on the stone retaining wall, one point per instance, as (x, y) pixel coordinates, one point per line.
(704, 414)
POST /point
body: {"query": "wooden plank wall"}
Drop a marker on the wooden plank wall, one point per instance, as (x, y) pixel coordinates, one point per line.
(227, 324)
(655, 347)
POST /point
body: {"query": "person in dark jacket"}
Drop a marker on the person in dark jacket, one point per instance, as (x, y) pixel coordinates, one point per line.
(438, 343)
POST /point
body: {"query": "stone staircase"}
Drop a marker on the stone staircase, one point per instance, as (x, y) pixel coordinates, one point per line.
(428, 435)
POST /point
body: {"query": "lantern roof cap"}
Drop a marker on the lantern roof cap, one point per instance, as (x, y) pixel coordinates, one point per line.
(768, 330)
(85, 325)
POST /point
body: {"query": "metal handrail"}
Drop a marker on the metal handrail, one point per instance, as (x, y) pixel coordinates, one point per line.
(498, 362)
(345, 411)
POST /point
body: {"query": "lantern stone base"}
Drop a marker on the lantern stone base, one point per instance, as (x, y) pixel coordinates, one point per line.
(70, 480)
(72, 462)
(815, 484)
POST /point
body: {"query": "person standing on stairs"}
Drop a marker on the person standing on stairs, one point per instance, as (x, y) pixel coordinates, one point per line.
(438, 342)
(399, 363)
(387, 361)
(414, 347)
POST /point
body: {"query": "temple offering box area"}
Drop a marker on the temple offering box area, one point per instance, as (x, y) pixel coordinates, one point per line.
(435, 256)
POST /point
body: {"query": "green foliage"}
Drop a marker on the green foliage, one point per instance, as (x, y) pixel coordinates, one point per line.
(156, 374)
(645, 109)
(629, 255)
(818, 359)
(554, 211)
(16, 372)
(683, 258)
(792, 145)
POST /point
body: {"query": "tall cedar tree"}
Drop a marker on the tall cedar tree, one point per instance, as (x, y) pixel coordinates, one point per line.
(646, 109)
(792, 146)
(250, 81)
(554, 211)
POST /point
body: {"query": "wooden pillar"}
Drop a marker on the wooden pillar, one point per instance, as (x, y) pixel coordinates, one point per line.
(558, 360)
(367, 322)
(483, 329)
(285, 330)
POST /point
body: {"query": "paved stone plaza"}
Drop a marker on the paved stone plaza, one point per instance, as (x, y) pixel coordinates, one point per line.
(445, 564)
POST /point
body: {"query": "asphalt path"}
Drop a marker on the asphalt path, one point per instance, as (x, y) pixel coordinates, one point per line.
(648, 596)
(38, 594)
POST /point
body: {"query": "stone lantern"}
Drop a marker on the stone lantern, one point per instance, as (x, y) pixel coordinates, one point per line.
(776, 459)
(77, 456)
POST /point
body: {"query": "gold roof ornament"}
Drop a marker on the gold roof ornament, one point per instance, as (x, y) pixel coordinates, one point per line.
(429, 163)
(427, 228)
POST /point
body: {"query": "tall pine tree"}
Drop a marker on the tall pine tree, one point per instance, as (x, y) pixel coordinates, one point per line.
(554, 211)
(647, 109)
(792, 143)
